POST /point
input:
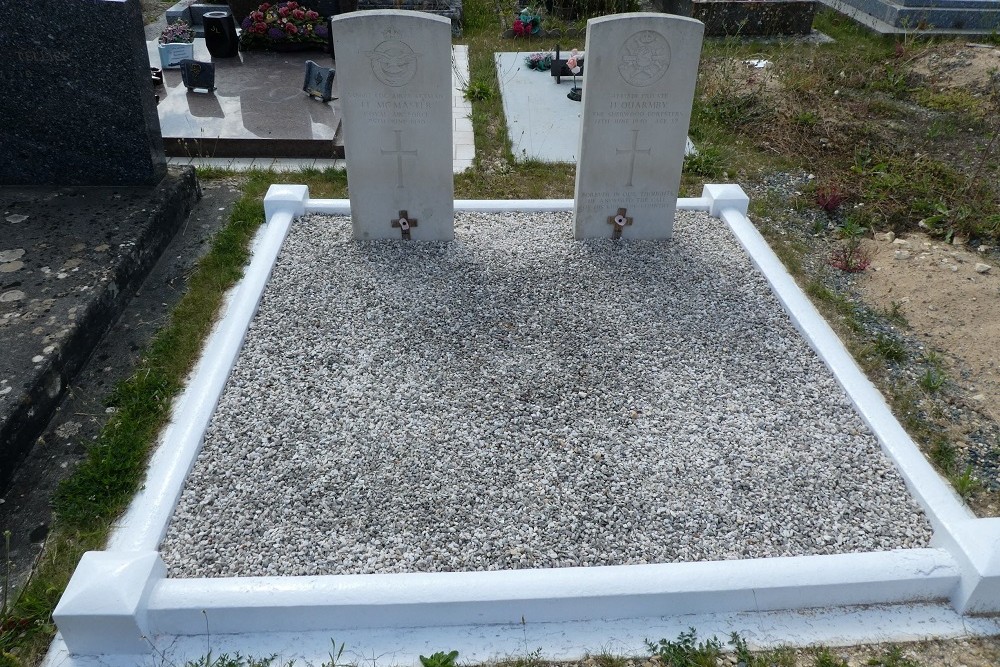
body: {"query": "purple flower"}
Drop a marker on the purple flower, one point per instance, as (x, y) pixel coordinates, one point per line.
(320, 30)
(276, 33)
(246, 23)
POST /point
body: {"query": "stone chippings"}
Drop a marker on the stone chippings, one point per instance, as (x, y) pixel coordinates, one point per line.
(517, 399)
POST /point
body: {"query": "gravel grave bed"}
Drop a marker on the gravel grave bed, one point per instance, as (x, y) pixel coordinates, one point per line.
(518, 399)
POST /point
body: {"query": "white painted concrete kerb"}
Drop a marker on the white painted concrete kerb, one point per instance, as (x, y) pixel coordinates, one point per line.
(120, 603)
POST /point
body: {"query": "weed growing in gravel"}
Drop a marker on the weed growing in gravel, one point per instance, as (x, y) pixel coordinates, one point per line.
(824, 658)
(966, 484)
(608, 659)
(829, 197)
(932, 380)
(893, 658)
(780, 657)
(687, 651)
(439, 659)
(894, 313)
(236, 660)
(943, 454)
(890, 348)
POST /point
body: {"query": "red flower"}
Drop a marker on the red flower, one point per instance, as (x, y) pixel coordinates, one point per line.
(298, 13)
(260, 27)
(283, 11)
(520, 28)
(311, 15)
(290, 28)
(293, 5)
(264, 7)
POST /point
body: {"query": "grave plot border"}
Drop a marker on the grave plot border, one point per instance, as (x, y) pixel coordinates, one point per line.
(119, 605)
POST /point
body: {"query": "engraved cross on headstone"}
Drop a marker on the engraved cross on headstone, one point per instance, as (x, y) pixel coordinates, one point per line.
(633, 151)
(620, 222)
(404, 222)
(399, 153)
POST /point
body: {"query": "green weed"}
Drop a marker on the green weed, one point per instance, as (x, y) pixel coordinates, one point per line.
(967, 483)
(893, 658)
(687, 651)
(943, 454)
(932, 380)
(439, 659)
(707, 162)
(890, 348)
(479, 91)
(824, 658)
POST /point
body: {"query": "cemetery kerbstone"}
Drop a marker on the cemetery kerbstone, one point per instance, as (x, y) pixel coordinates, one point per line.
(638, 87)
(394, 73)
(78, 106)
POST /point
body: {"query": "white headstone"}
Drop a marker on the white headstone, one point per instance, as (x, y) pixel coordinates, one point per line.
(638, 85)
(394, 76)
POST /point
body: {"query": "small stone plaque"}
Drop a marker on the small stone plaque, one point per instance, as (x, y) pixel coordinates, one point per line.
(197, 74)
(394, 77)
(319, 81)
(639, 85)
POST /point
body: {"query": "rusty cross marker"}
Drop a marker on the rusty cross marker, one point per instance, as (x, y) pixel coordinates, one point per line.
(632, 152)
(404, 222)
(620, 222)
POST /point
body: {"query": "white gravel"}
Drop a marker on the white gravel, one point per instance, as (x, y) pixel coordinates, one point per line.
(517, 399)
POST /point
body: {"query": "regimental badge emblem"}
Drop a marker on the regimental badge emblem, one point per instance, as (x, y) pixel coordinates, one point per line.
(644, 58)
(394, 63)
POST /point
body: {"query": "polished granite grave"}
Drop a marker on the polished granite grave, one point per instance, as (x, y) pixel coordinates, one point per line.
(257, 110)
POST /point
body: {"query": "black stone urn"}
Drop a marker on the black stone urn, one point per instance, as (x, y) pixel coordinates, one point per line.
(221, 39)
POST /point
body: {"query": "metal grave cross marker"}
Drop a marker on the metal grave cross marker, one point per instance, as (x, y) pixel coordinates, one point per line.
(404, 222)
(633, 151)
(399, 153)
(620, 222)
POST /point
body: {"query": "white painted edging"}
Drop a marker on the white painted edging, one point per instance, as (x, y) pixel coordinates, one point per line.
(125, 589)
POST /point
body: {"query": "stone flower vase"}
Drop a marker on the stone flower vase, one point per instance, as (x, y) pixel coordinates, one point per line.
(172, 54)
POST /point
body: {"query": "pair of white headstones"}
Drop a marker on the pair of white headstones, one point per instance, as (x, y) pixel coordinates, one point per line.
(394, 71)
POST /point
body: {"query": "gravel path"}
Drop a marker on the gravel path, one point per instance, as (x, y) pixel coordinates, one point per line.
(517, 399)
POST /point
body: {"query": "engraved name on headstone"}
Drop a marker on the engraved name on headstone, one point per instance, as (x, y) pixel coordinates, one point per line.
(394, 77)
(637, 93)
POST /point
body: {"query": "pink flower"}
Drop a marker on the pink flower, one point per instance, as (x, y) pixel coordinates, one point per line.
(293, 5)
(311, 15)
(283, 11)
(260, 27)
(291, 28)
(264, 7)
(298, 13)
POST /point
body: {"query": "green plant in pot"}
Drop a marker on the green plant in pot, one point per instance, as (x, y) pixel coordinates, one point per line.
(176, 43)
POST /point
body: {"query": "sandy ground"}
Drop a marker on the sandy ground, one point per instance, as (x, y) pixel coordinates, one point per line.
(950, 295)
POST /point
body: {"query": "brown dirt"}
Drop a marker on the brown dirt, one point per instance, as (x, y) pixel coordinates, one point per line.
(946, 301)
(970, 66)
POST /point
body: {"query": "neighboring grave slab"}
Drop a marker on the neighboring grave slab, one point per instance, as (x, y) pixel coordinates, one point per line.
(78, 105)
(637, 93)
(394, 74)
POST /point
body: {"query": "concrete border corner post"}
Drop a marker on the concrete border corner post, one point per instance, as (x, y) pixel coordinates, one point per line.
(103, 610)
(722, 196)
(978, 556)
(286, 198)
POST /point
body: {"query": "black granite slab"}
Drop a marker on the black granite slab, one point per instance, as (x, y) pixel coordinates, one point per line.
(78, 106)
